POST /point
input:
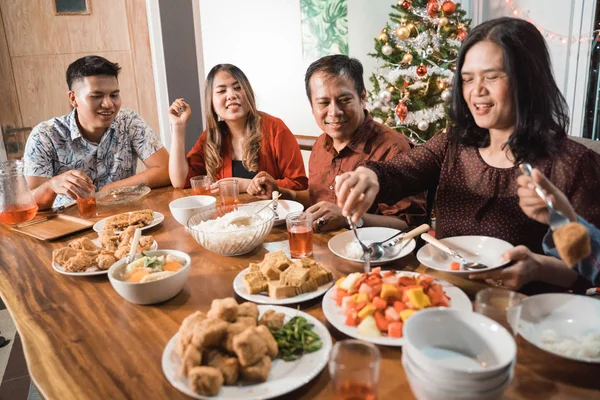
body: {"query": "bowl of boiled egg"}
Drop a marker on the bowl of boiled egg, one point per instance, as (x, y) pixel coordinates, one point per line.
(151, 277)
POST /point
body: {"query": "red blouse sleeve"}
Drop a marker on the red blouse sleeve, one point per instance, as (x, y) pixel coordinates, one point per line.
(289, 159)
(411, 172)
(195, 159)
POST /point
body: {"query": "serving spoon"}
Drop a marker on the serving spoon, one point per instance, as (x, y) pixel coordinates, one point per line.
(377, 249)
(468, 265)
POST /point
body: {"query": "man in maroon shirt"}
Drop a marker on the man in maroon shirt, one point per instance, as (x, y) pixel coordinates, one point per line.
(335, 88)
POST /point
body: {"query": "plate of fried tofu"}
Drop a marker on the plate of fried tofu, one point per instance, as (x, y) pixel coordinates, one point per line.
(278, 280)
(144, 219)
(230, 353)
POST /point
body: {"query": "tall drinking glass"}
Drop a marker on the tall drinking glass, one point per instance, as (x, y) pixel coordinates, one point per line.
(354, 370)
(300, 233)
(501, 305)
(229, 191)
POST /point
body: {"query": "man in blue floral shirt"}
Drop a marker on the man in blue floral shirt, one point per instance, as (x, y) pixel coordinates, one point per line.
(95, 146)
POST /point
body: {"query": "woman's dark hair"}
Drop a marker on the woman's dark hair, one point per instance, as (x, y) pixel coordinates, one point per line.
(540, 108)
(336, 65)
(90, 66)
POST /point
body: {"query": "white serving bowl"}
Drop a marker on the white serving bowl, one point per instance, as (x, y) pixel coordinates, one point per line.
(455, 344)
(182, 209)
(150, 292)
(427, 390)
(233, 242)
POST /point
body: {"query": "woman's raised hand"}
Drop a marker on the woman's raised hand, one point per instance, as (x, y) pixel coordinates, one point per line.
(179, 112)
(356, 191)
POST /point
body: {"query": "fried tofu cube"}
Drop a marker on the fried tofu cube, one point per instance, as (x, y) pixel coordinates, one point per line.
(272, 320)
(267, 336)
(209, 333)
(248, 321)
(294, 276)
(225, 309)
(279, 291)
(191, 358)
(186, 331)
(248, 309)
(205, 381)
(233, 330)
(255, 282)
(258, 372)
(253, 267)
(229, 366)
(249, 347)
(273, 264)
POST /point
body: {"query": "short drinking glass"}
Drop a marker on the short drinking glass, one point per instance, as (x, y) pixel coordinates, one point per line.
(501, 305)
(201, 185)
(299, 227)
(87, 205)
(354, 370)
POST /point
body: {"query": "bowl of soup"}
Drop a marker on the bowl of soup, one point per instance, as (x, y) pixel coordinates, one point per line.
(151, 277)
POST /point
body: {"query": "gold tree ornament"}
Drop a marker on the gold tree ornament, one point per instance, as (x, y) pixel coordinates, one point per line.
(443, 21)
(383, 37)
(402, 32)
(408, 58)
(387, 49)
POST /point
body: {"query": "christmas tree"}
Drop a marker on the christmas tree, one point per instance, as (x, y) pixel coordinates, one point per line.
(417, 50)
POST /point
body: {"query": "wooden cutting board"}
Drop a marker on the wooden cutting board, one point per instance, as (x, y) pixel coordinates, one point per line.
(54, 227)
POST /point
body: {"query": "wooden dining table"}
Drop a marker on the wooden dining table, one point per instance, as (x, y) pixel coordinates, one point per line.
(83, 341)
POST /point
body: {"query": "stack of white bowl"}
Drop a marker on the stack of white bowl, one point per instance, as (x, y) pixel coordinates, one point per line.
(455, 355)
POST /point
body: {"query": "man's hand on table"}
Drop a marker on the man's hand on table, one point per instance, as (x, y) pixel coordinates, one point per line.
(326, 216)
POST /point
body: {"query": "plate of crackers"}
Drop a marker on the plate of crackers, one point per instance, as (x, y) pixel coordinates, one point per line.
(87, 257)
(144, 219)
(278, 280)
(236, 352)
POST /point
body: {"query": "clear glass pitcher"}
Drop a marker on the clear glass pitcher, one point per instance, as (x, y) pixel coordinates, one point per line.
(16, 201)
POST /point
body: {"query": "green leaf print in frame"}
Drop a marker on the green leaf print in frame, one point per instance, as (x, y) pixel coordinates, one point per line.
(324, 28)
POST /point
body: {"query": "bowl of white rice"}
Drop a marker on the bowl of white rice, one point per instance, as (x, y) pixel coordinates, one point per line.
(232, 233)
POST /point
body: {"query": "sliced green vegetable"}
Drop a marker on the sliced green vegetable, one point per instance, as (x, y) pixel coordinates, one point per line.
(296, 338)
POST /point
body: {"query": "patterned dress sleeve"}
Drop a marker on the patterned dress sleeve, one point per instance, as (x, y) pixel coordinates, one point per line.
(40, 153)
(144, 141)
(585, 187)
(410, 172)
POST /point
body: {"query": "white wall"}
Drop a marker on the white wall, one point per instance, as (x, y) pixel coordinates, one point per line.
(263, 38)
(570, 61)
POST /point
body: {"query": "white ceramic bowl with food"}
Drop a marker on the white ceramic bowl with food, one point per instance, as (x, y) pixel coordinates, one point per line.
(151, 292)
(182, 209)
(455, 344)
(214, 231)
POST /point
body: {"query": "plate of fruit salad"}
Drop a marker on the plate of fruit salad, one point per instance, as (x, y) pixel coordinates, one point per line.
(374, 306)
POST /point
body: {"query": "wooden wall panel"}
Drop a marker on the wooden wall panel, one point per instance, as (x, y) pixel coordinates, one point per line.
(9, 104)
(142, 59)
(42, 89)
(105, 29)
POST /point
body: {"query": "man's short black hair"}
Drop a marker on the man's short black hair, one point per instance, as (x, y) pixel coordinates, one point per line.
(91, 66)
(337, 65)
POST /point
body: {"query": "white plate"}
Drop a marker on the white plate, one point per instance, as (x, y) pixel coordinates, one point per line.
(569, 315)
(484, 249)
(284, 376)
(338, 243)
(240, 289)
(158, 218)
(284, 207)
(61, 270)
(334, 314)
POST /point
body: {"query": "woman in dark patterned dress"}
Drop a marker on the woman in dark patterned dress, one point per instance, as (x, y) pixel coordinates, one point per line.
(506, 109)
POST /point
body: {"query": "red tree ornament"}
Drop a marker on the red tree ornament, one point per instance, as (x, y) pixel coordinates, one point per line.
(401, 111)
(406, 4)
(448, 7)
(432, 8)
(421, 70)
(462, 34)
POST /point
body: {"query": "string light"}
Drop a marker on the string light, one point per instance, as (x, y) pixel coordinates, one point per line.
(564, 39)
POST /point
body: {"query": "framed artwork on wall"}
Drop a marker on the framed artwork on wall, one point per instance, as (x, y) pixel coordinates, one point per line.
(72, 7)
(324, 28)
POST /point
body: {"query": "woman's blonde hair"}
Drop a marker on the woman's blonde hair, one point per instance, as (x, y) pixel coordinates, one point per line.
(216, 128)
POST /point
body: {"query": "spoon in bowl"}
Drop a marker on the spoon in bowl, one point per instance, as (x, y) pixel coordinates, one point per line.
(468, 265)
(365, 249)
(377, 249)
